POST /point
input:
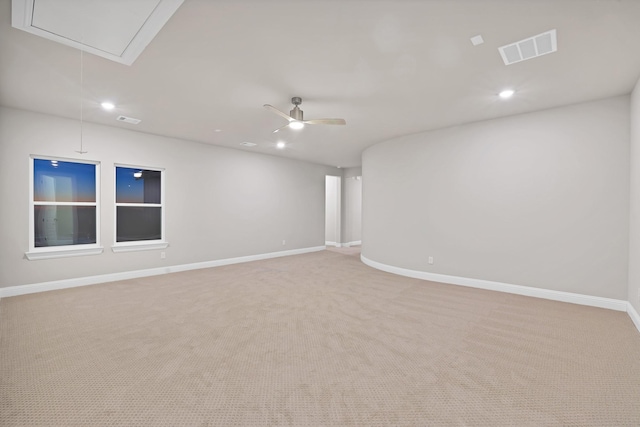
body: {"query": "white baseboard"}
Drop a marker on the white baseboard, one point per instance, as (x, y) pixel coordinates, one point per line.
(346, 245)
(635, 317)
(94, 280)
(593, 301)
(609, 303)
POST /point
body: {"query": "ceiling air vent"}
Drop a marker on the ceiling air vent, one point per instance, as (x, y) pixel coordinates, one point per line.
(130, 120)
(248, 144)
(531, 47)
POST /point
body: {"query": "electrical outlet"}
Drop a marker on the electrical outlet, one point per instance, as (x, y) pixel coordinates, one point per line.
(430, 260)
(284, 242)
(163, 255)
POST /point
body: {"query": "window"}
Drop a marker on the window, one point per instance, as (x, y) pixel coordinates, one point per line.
(63, 210)
(139, 209)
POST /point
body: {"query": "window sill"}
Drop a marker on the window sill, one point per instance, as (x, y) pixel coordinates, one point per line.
(62, 253)
(138, 246)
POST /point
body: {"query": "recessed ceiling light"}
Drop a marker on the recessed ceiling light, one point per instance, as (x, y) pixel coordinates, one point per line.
(108, 105)
(296, 125)
(508, 93)
(280, 145)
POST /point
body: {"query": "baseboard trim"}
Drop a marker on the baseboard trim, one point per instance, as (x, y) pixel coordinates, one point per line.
(593, 301)
(113, 277)
(633, 314)
(345, 245)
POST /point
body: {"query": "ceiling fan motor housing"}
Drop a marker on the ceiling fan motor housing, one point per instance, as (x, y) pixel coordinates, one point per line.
(296, 113)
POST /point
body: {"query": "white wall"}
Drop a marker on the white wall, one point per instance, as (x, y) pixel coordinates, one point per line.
(634, 235)
(220, 203)
(352, 202)
(332, 210)
(539, 199)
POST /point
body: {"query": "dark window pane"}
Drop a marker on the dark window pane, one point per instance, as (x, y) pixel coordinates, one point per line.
(58, 181)
(137, 185)
(64, 225)
(138, 223)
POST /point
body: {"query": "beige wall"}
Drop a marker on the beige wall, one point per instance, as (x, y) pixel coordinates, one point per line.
(220, 203)
(539, 199)
(634, 238)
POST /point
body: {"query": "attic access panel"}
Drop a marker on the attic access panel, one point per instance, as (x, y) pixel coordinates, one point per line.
(117, 30)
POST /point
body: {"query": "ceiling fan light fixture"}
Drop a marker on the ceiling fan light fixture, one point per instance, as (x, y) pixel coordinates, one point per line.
(296, 125)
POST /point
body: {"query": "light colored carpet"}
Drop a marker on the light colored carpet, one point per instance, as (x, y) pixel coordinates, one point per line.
(311, 340)
(346, 250)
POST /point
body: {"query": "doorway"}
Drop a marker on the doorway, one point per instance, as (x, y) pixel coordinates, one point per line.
(333, 195)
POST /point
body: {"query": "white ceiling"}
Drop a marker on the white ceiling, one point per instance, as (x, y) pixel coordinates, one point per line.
(389, 68)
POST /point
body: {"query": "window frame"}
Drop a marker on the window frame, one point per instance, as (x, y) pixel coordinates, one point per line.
(48, 252)
(140, 245)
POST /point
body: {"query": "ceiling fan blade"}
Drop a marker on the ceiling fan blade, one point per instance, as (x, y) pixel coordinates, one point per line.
(279, 129)
(278, 112)
(325, 122)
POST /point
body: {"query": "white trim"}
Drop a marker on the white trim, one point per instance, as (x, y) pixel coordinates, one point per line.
(354, 243)
(140, 205)
(22, 14)
(64, 203)
(335, 182)
(138, 246)
(63, 252)
(94, 280)
(150, 244)
(593, 301)
(635, 317)
(59, 251)
(136, 166)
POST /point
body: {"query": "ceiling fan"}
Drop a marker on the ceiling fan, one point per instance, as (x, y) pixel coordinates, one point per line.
(295, 117)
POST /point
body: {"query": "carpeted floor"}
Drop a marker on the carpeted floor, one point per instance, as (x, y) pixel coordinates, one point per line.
(311, 340)
(346, 250)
